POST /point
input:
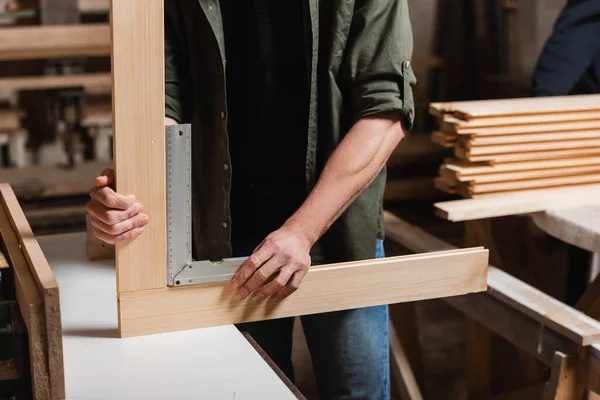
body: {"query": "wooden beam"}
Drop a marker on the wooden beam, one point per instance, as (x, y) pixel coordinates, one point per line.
(47, 286)
(530, 147)
(479, 360)
(468, 110)
(470, 142)
(10, 119)
(510, 186)
(451, 124)
(563, 383)
(519, 175)
(529, 129)
(525, 202)
(325, 288)
(465, 169)
(527, 156)
(54, 41)
(97, 81)
(138, 121)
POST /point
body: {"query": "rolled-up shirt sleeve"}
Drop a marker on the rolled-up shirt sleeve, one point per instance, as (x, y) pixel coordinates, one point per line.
(376, 63)
(174, 70)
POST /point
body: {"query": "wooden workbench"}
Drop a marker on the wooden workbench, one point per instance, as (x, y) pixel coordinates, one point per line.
(215, 363)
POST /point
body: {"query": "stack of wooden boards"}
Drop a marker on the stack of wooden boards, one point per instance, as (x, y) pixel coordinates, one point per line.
(518, 144)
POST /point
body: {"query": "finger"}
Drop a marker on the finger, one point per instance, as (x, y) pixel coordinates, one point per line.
(292, 285)
(275, 285)
(106, 178)
(259, 277)
(109, 216)
(253, 262)
(114, 230)
(129, 235)
(111, 199)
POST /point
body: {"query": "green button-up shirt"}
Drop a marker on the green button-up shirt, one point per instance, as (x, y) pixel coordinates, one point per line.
(358, 54)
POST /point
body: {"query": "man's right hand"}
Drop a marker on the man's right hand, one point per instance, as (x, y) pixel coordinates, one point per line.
(115, 217)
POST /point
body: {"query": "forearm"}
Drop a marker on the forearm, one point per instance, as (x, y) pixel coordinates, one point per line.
(352, 167)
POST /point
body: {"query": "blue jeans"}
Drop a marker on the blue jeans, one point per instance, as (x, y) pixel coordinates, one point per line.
(349, 349)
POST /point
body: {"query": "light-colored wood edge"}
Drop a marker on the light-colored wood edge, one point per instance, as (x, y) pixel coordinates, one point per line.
(93, 80)
(520, 175)
(139, 136)
(31, 305)
(525, 202)
(54, 41)
(530, 129)
(450, 123)
(469, 169)
(442, 139)
(563, 383)
(477, 188)
(47, 285)
(530, 147)
(543, 308)
(528, 156)
(479, 141)
(325, 288)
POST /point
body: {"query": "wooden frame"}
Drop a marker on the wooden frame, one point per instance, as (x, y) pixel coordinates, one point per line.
(37, 296)
(146, 304)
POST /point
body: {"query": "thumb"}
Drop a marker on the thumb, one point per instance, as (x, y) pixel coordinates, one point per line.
(106, 178)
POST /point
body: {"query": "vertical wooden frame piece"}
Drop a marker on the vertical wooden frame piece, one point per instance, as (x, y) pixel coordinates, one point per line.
(138, 82)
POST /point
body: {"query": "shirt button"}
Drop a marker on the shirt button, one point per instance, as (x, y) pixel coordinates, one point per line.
(225, 167)
(222, 114)
(225, 224)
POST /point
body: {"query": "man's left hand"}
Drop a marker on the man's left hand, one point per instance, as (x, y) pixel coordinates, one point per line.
(276, 268)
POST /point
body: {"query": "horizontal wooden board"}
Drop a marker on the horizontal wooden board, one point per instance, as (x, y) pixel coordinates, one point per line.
(10, 119)
(54, 41)
(479, 188)
(450, 123)
(529, 156)
(530, 147)
(523, 202)
(523, 129)
(325, 288)
(476, 141)
(522, 106)
(97, 81)
(443, 139)
(465, 169)
(523, 175)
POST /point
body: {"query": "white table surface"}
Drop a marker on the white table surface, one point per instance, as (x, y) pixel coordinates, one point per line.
(211, 363)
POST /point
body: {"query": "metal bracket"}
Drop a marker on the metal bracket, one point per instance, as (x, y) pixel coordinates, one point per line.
(181, 269)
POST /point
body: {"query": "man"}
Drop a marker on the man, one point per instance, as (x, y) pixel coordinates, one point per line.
(570, 61)
(295, 108)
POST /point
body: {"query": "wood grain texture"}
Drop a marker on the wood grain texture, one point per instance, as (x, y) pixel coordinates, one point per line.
(539, 105)
(578, 226)
(529, 129)
(97, 81)
(516, 148)
(325, 288)
(47, 286)
(510, 186)
(522, 175)
(139, 136)
(477, 141)
(450, 123)
(467, 169)
(528, 156)
(54, 41)
(31, 305)
(525, 202)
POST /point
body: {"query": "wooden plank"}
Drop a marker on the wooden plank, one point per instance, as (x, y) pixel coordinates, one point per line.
(563, 383)
(530, 147)
(526, 106)
(54, 41)
(466, 169)
(93, 5)
(42, 274)
(524, 175)
(443, 140)
(138, 121)
(479, 361)
(478, 141)
(529, 156)
(450, 123)
(401, 369)
(530, 129)
(525, 202)
(533, 183)
(31, 305)
(98, 81)
(325, 288)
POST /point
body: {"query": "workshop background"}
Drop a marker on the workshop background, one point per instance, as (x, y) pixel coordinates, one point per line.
(55, 137)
